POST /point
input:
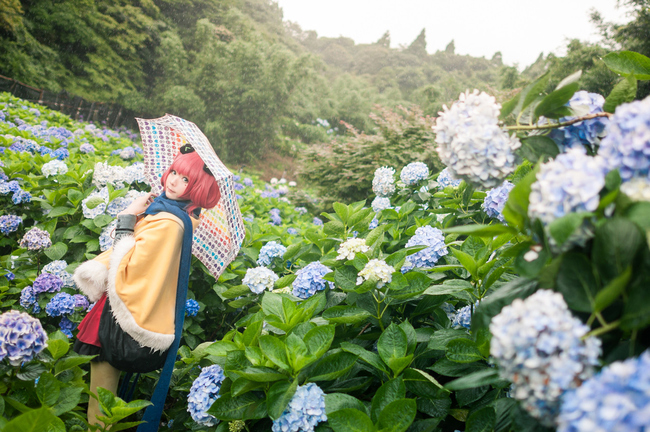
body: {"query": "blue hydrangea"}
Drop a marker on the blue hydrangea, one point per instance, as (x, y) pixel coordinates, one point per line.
(3, 116)
(570, 183)
(426, 236)
(270, 251)
(588, 132)
(86, 148)
(538, 346)
(61, 153)
(292, 231)
(10, 276)
(317, 221)
(61, 304)
(463, 317)
(414, 173)
(203, 393)
(270, 193)
(259, 278)
(383, 184)
(28, 298)
(9, 223)
(191, 307)
(21, 196)
(81, 301)
(616, 399)
(304, 412)
(21, 337)
(248, 219)
(116, 152)
(275, 216)
(9, 187)
(380, 203)
(248, 182)
(134, 173)
(309, 280)
(301, 210)
(58, 268)
(374, 223)
(444, 179)
(36, 239)
(67, 326)
(239, 186)
(47, 282)
(495, 200)
(627, 145)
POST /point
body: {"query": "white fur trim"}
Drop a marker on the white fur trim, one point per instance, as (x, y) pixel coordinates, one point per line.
(146, 338)
(90, 278)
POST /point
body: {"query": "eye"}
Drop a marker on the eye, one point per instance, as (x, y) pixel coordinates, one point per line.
(173, 172)
(186, 180)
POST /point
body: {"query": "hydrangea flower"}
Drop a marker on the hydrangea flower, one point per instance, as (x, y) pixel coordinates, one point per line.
(21, 337)
(67, 326)
(47, 282)
(259, 278)
(444, 179)
(36, 239)
(236, 426)
(203, 393)
(472, 144)
(100, 201)
(309, 280)
(127, 153)
(61, 153)
(81, 301)
(637, 189)
(380, 203)
(537, 344)
(570, 183)
(292, 231)
(10, 276)
(9, 187)
(374, 223)
(9, 223)
(383, 184)
(301, 210)
(28, 299)
(105, 238)
(134, 174)
(304, 412)
(627, 145)
(239, 186)
(413, 173)
(350, 247)
(248, 182)
(61, 304)
(269, 251)
(54, 167)
(425, 236)
(463, 317)
(86, 148)
(191, 307)
(21, 196)
(103, 174)
(317, 221)
(588, 132)
(495, 200)
(275, 216)
(376, 270)
(616, 399)
(58, 268)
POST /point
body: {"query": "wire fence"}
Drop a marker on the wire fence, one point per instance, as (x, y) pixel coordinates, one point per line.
(110, 114)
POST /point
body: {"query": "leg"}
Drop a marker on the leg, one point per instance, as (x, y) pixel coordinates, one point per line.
(102, 374)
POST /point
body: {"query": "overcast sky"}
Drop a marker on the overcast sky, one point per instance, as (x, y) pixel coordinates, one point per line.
(520, 29)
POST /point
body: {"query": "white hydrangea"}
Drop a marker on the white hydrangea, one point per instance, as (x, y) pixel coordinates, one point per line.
(99, 202)
(104, 174)
(413, 173)
(54, 167)
(376, 270)
(134, 173)
(260, 278)
(472, 144)
(350, 247)
(380, 203)
(383, 184)
(638, 189)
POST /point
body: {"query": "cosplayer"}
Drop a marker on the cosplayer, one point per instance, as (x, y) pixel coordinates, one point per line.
(135, 283)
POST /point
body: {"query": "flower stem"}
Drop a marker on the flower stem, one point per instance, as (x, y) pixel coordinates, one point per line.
(602, 330)
(558, 125)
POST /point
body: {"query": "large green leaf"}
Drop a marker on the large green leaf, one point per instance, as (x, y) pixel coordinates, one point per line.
(482, 420)
(463, 351)
(56, 251)
(389, 391)
(562, 228)
(615, 245)
(332, 366)
(319, 339)
(345, 315)
(350, 420)
(261, 374)
(392, 343)
(476, 379)
(576, 282)
(397, 416)
(339, 401)
(612, 291)
(515, 211)
(37, 420)
(48, 389)
(246, 406)
(624, 91)
(551, 104)
(628, 63)
(367, 356)
(279, 396)
(275, 350)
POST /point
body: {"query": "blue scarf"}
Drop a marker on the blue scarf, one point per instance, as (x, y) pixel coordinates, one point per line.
(153, 413)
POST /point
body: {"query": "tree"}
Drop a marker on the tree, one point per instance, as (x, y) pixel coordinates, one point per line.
(384, 41)
(419, 46)
(451, 47)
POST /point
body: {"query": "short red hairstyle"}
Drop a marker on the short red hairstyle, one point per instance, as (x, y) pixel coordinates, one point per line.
(202, 188)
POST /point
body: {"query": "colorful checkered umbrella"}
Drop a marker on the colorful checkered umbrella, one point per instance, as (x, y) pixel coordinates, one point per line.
(221, 230)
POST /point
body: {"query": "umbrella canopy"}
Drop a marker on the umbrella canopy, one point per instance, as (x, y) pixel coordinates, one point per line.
(221, 230)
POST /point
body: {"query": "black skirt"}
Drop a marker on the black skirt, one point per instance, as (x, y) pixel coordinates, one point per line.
(83, 348)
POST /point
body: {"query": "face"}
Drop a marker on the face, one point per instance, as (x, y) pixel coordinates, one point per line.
(175, 185)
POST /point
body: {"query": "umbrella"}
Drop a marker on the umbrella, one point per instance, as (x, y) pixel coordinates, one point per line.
(221, 232)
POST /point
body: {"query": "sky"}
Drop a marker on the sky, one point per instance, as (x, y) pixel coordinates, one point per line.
(520, 29)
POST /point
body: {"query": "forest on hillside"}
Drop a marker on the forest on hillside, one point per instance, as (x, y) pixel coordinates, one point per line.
(254, 82)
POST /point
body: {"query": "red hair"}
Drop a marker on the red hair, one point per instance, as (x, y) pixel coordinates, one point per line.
(202, 188)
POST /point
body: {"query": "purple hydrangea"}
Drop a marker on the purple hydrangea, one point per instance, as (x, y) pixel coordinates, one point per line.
(10, 276)
(58, 268)
(81, 301)
(495, 200)
(61, 153)
(616, 399)
(248, 182)
(47, 282)
(203, 393)
(426, 236)
(9, 223)
(60, 305)
(36, 239)
(588, 132)
(317, 221)
(309, 280)
(67, 326)
(21, 337)
(304, 412)
(275, 216)
(270, 251)
(86, 148)
(191, 307)
(627, 145)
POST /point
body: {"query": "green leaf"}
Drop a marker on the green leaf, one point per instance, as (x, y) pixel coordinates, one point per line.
(345, 315)
(482, 420)
(538, 147)
(236, 291)
(442, 337)
(94, 202)
(374, 235)
(60, 211)
(509, 106)
(341, 210)
(467, 261)
(623, 92)
(319, 339)
(576, 282)
(284, 281)
(573, 78)
(613, 290)
(549, 106)
(451, 286)
(69, 398)
(350, 420)
(58, 348)
(241, 386)
(279, 396)
(451, 369)
(479, 230)
(102, 220)
(37, 420)
(628, 63)
(334, 228)
(339, 401)
(56, 251)
(389, 391)
(275, 350)
(367, 356)
(515, 211)
(246, 406)
(397, 416)
(272, 305)
(562, 228)
(292, 250)
(392, 343)
(48, 389)
(615, 245)
(531, 92)
(345, 278)
(639, 213)
(332, 366)
(476, 379)
(462, 351)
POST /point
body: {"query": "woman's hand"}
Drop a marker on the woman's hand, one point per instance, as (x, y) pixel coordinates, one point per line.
(139, 205)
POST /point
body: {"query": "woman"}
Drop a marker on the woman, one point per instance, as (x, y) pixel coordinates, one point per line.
(142, 274)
